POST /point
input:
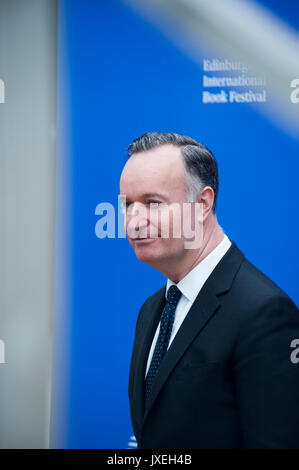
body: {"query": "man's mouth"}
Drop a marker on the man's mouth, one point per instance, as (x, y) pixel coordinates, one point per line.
(146, 236)
(145, 239)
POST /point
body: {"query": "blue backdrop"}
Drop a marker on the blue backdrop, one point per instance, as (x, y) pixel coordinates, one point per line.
(119, 76)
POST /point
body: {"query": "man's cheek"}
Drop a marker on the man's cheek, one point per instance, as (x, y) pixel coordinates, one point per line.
(154, 226)
(162, 223)
(175, 224)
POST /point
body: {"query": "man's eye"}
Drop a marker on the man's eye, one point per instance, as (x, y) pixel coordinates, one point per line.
(154, 203)
(129, 205)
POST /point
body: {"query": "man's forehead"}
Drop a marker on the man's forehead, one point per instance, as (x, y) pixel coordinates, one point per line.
(166, 153)
(156, 164)
(158, 172)
(144, 184)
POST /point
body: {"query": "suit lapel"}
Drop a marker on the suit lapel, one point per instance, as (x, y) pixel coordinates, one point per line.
(151, 320)
(205, 305)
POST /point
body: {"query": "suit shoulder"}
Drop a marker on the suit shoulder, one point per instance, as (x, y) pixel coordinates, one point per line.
(255, 286)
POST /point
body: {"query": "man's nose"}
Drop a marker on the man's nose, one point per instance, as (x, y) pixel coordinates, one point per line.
(141, 223)
(138, 216)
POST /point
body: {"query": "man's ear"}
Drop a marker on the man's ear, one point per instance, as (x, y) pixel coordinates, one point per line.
(206, 199)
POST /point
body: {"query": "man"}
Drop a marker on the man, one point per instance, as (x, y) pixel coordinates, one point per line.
(211, 364)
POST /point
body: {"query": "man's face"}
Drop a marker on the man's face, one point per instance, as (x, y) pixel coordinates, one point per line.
(154, 185)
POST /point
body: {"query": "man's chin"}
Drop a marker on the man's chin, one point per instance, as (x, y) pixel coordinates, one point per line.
(147, 249)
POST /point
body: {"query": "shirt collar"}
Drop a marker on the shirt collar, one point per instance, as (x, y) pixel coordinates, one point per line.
(191, 284)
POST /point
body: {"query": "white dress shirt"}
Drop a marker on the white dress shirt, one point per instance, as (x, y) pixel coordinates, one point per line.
(190, 287)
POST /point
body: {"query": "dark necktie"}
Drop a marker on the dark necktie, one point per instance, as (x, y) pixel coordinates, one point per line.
(167, 318)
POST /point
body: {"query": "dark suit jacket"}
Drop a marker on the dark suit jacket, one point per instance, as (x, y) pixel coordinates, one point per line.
(227, 380)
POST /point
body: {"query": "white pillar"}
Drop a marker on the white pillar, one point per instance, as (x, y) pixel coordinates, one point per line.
(27, 204)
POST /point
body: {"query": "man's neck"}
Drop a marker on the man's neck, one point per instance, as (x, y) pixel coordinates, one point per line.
(213, 235)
